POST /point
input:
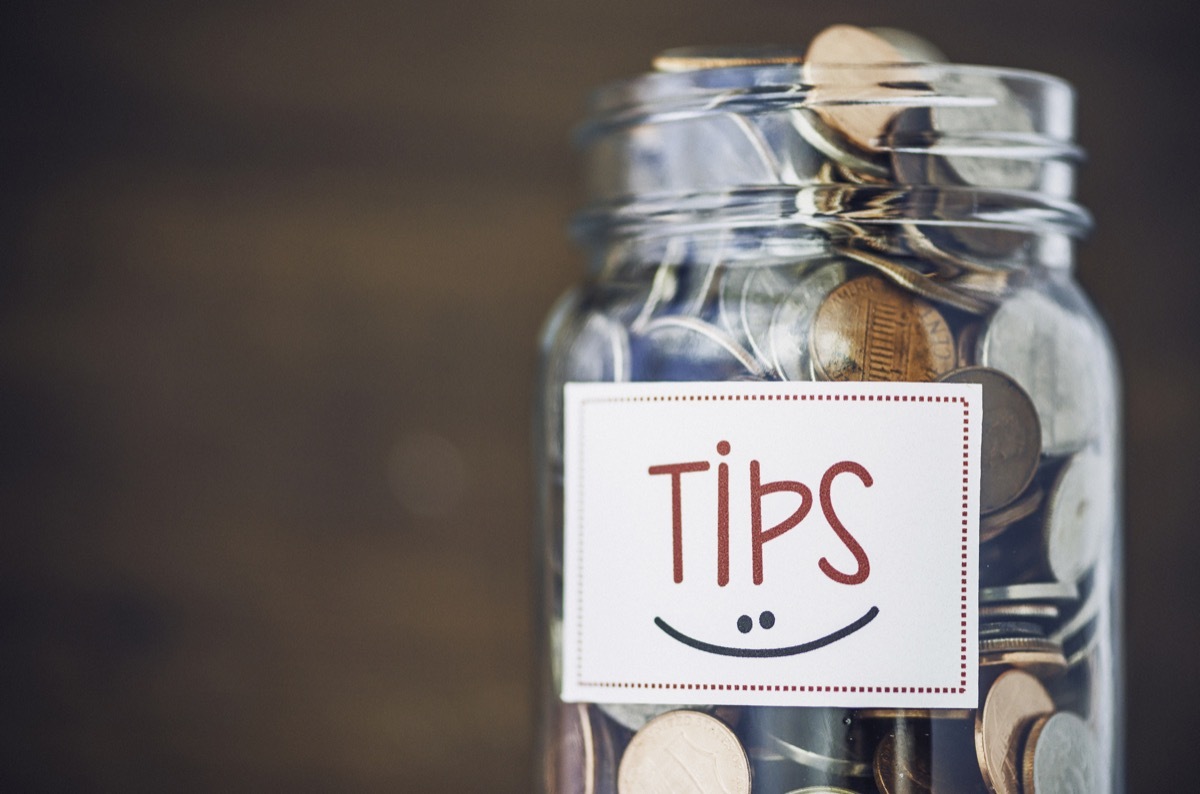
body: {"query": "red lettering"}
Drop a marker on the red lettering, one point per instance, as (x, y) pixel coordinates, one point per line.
(860, 556)
(757, 491)
(677, 470)
(723, 517)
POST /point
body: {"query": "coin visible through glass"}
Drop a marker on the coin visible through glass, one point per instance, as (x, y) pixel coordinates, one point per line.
(867, 329)
(684, 752)
(1011, 441)
(1060, 757)
(1014, 700)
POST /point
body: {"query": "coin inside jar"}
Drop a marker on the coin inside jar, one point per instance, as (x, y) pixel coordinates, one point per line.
(684, 752)
(1011, 441)
(1013, 701)
(1060, 756)
(867, 329)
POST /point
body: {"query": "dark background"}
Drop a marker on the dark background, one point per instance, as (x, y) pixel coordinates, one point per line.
(273, 276)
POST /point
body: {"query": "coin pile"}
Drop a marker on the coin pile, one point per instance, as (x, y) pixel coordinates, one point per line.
(880, 298)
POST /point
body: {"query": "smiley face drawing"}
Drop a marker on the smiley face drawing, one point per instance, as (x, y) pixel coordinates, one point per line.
(767, 621)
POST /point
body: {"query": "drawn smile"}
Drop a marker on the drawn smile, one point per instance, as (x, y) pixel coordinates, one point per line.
(767, 653)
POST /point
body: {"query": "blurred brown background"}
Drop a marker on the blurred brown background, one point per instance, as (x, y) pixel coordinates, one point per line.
(273, 277)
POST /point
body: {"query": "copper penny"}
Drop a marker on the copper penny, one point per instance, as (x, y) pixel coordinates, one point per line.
(684, 752)
(1011, 443)
(1013, 702)
(868, 329)
(902, 763)
(855, 101)
(992, 524)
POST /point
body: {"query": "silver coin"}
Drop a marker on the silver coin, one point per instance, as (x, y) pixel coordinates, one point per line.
(791, 324)
(687, 348)
(1038, 343)
(965, 127)
(1060, 592)
(1060, 757)
(664, 284)
(1078, 517)
(749, 297)
(684, 752)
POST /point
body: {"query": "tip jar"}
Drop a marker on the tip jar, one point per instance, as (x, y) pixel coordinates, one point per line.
(828, 453)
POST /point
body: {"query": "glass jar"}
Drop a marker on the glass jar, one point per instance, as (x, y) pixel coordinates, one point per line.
(772, 234)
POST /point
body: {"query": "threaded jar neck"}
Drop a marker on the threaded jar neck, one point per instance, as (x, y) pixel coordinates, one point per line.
(812, 154)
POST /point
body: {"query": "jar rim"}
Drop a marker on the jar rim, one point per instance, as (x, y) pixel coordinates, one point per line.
(723, 89)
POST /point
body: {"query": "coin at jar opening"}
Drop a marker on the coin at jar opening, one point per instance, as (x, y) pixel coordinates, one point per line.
(1078, 517)
(1014, 699)
(867, 329)
(856, 102)
(690, 59)
(993, 524)
(791, 324)
(984, 104)
(1060, 756)
(686, 348)
(684, 752)
(1044, 347)
(1010, 440)
(832, 144)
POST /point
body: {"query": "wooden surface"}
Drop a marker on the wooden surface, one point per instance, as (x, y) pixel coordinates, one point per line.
(274, 277)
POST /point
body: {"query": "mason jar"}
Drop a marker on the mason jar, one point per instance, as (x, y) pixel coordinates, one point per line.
(827, 438)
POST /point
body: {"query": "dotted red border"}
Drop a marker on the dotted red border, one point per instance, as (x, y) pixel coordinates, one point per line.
(943, 690)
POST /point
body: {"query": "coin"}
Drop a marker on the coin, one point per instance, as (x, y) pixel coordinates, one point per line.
(1010, 440)
(903, 763)
(688, 59)
(1013, 701)
(992, 524)
(680, 348)
(908, 278)
(867, 329)
(1078, 517)
(1060, 756)
(855, 101)
(972, 106)
(1036, 341)
(1009, 611)
(791, 324)
(1060, 592)
(684, 752)
(749, 300)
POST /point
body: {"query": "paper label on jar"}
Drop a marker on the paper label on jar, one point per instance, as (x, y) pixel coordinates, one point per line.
(777, 544)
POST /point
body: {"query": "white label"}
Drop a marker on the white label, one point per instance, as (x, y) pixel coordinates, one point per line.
(800, 544)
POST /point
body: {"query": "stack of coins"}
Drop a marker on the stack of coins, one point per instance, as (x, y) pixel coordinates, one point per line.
(880, 299)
